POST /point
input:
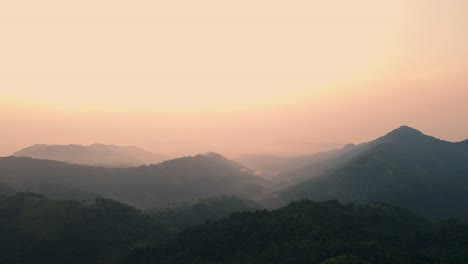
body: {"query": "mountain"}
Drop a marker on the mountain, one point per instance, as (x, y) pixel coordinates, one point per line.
(329, 161)
(182, 216)
(316, 233)
(35, 229)
(405, 167)
(270, 166)
(38, 230)
(94, 155)
(180, 180)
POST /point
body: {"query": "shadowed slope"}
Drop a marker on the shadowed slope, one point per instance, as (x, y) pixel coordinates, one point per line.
(405, 168)
(176, 181)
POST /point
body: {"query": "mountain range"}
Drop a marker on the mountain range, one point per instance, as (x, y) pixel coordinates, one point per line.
(179, 180)
(377, 202)
(405, 167)
(94, 155)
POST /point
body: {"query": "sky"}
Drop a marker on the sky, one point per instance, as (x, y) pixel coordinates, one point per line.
(235, 77)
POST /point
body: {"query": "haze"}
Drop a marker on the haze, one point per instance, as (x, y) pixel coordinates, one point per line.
(234, 77)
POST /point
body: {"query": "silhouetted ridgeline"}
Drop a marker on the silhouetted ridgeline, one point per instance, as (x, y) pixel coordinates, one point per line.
(404, 168)
(176, 181)
(96, 155)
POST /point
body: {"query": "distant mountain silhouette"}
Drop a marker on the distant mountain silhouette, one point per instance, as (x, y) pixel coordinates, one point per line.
(180, 180)
(95, 155)
(405, 167)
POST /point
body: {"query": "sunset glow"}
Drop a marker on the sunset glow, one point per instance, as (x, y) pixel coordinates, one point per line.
(184, 77)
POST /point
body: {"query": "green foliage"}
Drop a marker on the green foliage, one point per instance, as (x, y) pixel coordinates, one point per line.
(180, 217)
(303, 232)
(37, 230)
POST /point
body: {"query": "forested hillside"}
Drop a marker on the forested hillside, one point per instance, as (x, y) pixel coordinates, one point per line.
(35, 229)
(176, 181)
(182, 216)
(39, 230)
(314, 233)
(404, 168)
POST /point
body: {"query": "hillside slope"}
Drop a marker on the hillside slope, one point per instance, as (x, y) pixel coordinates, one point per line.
(176, 181)
(179, 217)
(38, 230)
(405, 168)
(314, 233)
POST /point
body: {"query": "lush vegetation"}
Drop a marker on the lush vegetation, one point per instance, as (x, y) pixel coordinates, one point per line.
(176, 181)
(38, 230)
(179, 217)
(314, 232)
(34, 229)
(404, 168)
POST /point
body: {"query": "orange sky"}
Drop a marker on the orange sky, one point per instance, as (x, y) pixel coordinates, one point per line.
(183, 77)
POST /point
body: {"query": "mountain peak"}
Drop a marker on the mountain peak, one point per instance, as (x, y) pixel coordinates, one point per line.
(404, 132)
(408, 135)
(407, 130)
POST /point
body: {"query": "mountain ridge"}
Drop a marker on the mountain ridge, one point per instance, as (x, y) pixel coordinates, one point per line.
(175, 181)
(96, 154)
(404, 167)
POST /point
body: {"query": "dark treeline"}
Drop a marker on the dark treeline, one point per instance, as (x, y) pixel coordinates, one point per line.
(315, 232)
(39, 230)
(178, 217)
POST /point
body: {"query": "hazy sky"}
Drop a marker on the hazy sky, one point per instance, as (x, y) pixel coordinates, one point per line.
(181, 77)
